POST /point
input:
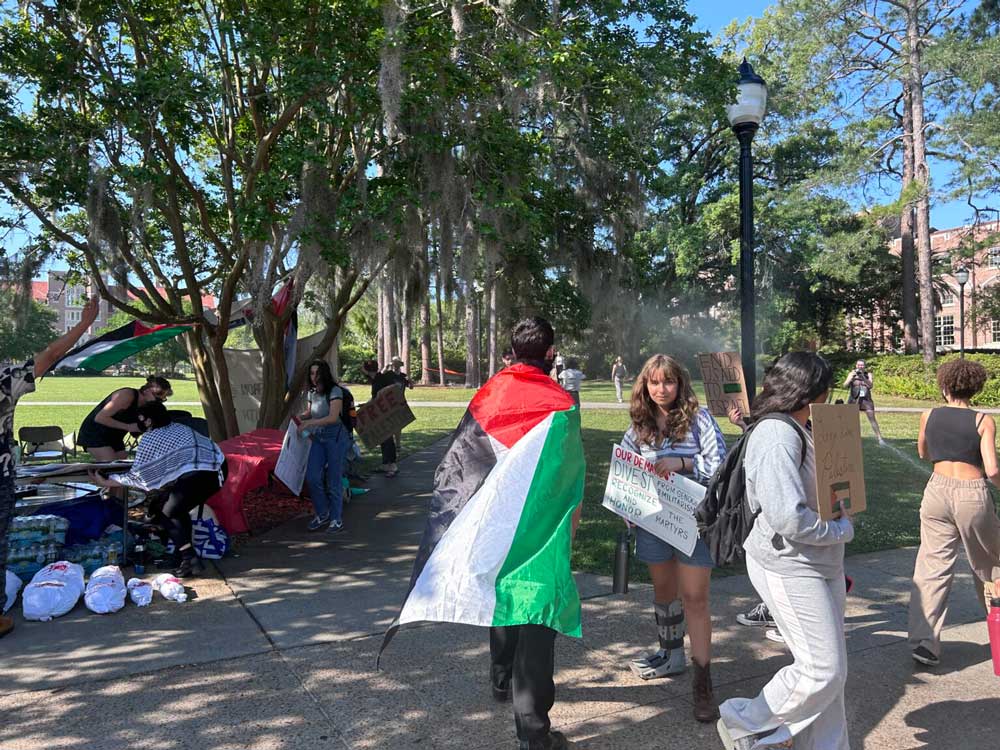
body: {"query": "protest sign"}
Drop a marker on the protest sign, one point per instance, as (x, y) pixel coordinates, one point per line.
(840, 468)
(722, 374)
(291, 467)
(246, 379)
(663, 507)
(383, 416)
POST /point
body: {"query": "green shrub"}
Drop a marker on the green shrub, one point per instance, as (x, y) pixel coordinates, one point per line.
(906, 375)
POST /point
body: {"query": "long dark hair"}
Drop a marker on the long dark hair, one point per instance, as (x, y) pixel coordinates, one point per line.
(793, 382)
(643, 411)
(324, 377)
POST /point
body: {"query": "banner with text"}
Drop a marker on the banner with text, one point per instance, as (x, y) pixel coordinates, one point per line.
(663, 507)
(840, 466)
(291, 467)
(722, 374)
(383, 416)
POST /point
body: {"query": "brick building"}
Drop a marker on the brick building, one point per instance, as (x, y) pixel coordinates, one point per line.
(67, 301)
(866, 334)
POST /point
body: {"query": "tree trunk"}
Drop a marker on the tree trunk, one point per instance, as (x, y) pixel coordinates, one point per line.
(380, 325)
(471, 339)
(491, 334)
(440, 326)
(425, 341)
(405, 336)
(208, 392)
(921, 174)
(906, 222)
(392, 330)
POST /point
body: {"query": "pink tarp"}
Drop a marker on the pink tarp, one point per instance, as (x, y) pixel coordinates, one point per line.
(250, 458)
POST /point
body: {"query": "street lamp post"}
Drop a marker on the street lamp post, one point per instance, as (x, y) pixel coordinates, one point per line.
(962, 277)
(745, 117)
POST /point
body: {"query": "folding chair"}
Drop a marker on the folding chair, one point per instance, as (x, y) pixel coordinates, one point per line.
(45, 443)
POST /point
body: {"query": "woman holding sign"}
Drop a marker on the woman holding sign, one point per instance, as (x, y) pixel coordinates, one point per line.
(330, 440)
(795, 560)
(671, 430)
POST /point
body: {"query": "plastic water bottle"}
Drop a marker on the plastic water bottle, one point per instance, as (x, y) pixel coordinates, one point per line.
(139, 564)
(993, 626)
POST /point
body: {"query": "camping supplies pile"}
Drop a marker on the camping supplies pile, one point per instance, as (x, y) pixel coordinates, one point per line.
(34, 542)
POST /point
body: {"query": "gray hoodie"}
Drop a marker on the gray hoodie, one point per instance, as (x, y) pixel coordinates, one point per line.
(788, 537)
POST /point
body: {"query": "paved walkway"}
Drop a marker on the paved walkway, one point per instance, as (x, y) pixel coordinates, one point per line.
(277, 649)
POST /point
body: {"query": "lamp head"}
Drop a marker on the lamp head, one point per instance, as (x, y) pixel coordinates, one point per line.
(751, 98)
(962, 275)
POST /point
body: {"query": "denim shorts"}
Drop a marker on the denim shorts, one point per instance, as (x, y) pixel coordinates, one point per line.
(651, 549)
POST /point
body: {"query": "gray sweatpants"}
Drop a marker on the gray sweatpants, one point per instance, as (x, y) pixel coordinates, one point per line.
(804, 700)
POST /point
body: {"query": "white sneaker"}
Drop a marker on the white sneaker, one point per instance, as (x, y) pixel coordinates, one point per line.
(774, 635)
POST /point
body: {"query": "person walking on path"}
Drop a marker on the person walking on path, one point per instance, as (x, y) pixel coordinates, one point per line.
(496, 549)
(571, 379)
(795, 561)
(671, 430)
(957, 508)
(16, 381)
(859, 384)
(330, 441)
(103, 431)
(618, 375)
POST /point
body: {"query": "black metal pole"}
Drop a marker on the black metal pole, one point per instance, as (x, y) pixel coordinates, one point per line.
(748, 325)
(961, 320)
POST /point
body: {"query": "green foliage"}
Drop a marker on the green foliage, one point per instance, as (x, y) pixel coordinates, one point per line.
(908, 376)
(21, 336)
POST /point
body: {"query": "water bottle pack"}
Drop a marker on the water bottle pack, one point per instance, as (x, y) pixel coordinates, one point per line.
(34, 542)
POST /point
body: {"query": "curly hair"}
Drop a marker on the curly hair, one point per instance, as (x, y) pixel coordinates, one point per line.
(961, 378)
(643, 410)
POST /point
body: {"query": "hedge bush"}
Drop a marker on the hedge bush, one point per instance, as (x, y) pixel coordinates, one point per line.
(906, 375)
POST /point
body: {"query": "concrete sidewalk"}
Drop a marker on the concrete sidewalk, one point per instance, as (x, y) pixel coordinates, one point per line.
(277, 650)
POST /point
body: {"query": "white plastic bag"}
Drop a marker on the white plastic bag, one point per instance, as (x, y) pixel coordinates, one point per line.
(13, 586)
(140, 592)
(170, 587)
(54, 590)
(105, 590)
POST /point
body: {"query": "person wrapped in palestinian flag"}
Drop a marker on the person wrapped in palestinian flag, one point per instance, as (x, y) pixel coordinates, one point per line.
(496, 549)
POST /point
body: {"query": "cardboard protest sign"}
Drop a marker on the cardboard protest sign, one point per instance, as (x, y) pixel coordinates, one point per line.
(291, 466)
(722, 374)
(663, 507)
(383, 416)
(840, 468)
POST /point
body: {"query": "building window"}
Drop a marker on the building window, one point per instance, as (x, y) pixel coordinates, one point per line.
(995, 330)
(947, 296)
(944, 330)
(73, 317)
(993, 257)
(74, 296)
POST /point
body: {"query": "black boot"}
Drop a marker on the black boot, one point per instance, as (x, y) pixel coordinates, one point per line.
(191, 565)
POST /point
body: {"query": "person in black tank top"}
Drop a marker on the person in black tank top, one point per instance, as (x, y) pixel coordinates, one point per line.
(957, 508)
(103, 431)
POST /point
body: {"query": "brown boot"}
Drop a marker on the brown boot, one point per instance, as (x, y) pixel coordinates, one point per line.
(705, 708)
(6, 625)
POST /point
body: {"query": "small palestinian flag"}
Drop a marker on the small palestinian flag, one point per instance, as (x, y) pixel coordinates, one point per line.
(117, 345)
(496, 548)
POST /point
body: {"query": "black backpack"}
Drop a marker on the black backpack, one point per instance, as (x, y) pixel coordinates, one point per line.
(724, 516)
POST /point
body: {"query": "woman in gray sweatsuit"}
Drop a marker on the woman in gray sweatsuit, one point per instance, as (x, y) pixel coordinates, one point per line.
(796, 562)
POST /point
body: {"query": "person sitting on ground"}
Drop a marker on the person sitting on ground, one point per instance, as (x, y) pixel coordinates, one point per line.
(328, 452)
(16, 381)
(571, 379)
(860, 383)
(177, 465)
(102, 433)
(392, 375)
(957, 508)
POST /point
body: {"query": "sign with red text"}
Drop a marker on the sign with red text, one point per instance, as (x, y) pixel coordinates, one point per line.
(722, 374)
(840, 465)
(662, 506)
(383, 416)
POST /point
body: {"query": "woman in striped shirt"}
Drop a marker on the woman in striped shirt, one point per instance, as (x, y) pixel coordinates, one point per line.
(671, 430)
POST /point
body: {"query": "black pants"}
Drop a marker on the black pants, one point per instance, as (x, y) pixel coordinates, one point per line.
(523, 657)
(186, 494)
(389, 451)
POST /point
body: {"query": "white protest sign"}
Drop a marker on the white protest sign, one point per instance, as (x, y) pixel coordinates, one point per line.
(291, 467)
(663, 507)
(246, 380)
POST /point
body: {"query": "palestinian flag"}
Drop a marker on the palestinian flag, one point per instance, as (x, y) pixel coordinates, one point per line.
(119, 344)
(496, 548)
